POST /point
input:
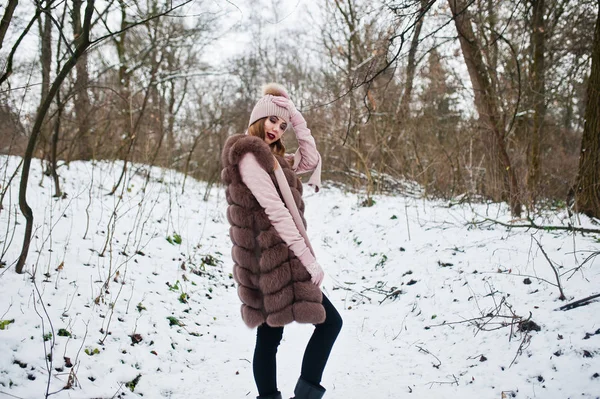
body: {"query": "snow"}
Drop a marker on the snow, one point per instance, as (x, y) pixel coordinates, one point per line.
(419, 343)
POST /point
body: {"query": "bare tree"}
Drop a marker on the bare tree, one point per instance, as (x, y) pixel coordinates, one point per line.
(486, 100)
(538, 88)
(82, 43)
(52, 166)
(45, 28)
(45, 32)
(587, 189)
(82, 99)
(411, 66)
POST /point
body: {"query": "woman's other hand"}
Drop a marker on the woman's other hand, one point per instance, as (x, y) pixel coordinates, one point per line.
(316, 273)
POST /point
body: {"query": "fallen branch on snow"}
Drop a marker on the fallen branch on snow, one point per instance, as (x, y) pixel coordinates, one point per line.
(579, 302)
(533, 225)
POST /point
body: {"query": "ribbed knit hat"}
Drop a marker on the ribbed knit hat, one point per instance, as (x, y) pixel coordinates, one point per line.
(265, 107)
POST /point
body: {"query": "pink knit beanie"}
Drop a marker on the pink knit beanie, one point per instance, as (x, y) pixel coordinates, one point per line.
(265, 107)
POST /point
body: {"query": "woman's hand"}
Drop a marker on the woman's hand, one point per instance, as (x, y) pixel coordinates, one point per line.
(296, 117)
(316, 273)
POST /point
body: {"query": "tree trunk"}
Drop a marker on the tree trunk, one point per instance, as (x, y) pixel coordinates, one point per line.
(54, 147)
(412, 65)
(485, 101)
(8, 13)
(538, 89)
(57, 122)
(46, 50)
(120, 46)
(82, 100)
(82, 43)
(45, 30)
(174, 107)
(587, 189)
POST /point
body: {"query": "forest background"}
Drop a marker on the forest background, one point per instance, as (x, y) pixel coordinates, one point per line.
(465, 100)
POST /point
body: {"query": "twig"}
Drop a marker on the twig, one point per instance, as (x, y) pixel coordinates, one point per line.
(522, 275)
(437, 366)
(486, 320)
(112, 312)
(118, 390)
(444, 382)
(9, 306)
(49, 359)
(11, 395)
(562, 296)
(351, 290)
(586, 260)
(406, 215)
(524, 344)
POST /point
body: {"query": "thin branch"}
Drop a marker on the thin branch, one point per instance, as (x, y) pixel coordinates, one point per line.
(562, 294)
(152, 17)
(16, 46)
(533, 225)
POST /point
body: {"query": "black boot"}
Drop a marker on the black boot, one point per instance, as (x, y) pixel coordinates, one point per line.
(306, 390)
(276, 395)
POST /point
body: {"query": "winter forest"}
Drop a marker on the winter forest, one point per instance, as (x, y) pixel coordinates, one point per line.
(478, 120)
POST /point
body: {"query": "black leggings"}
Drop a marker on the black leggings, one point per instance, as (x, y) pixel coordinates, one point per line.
(315, 356)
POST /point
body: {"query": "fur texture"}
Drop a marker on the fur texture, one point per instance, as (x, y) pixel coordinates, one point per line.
(275, 89)
(273, 285)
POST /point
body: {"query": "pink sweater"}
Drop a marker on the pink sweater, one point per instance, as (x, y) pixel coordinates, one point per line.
(259, 182)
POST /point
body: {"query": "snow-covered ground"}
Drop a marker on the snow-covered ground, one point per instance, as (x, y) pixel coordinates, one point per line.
(133, 297)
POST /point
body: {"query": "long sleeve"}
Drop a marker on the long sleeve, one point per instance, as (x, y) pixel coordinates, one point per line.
(260, 184)
(306, 147)
(307, 157)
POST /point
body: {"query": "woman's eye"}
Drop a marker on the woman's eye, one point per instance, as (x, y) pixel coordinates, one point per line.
(273, 119)
(283, 126)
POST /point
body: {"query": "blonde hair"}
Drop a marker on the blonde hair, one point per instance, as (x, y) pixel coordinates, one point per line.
(257, 129)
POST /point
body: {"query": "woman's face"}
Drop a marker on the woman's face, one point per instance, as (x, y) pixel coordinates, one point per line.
(274, 129)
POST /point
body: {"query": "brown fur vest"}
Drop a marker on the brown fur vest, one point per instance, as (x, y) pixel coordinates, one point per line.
(273, 285)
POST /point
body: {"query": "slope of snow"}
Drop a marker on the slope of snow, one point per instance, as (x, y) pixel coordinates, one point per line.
(141, 282)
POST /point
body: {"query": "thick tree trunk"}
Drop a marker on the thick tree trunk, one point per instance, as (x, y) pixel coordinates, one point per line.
(485, 101)
(587, 189)
(82, 101)
(538, 89)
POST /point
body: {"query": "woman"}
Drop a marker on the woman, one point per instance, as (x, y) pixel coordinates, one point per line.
(275, 268)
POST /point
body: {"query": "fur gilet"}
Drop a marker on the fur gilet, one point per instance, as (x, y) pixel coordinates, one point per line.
(273, 285)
